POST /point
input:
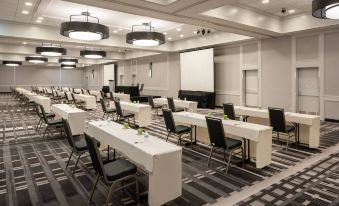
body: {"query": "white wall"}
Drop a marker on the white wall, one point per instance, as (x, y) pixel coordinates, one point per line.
(26, 76)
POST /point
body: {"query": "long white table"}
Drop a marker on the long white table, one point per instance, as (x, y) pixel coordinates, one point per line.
(89, 99)
(161, 160)
(96, 94)
(44, 101)
(260, 136)
(308, 125)
(122, 96)
(188, 105)
(143, 112)
(76, 117)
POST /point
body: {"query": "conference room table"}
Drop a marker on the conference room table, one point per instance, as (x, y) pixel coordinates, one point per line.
(96, 94)
(90, 101)
(142, 112)
(308, 126)
(122, 96)
(76, 117)
(161, 160)
(188, 105)
(260, 136)
(44, 101)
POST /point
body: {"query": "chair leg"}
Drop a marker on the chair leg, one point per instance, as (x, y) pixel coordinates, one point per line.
(229, 161)
(76, 163)
(94, 186)
(38, 124)
(167, 136)
(137, 189)
(288, 141)
(47, 127)
(209, 157)
(278, 136)
(179, 140)
(103, 116)
(109, 193)
(69, 159)
(243, 157)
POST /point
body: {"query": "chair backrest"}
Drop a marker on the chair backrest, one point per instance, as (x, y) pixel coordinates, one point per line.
(216, 132)
(169, 121)
(111, 96)
(103, 105)
(66, 95)
(89, 93)
(43, 114)
(141, 87)
(73, 98)
(68, 133)
(82, 91)
(150, 101)
(37, 110)
(73, 90)
(118, 108)
(102, 94)
(277, 119)
(137, 85)
(95, 156)
(229, 110)
(171, 104)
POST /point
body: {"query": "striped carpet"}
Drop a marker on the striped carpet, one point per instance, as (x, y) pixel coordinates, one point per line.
(32, 169)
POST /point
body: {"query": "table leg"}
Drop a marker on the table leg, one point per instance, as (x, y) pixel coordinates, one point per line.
(195, 136)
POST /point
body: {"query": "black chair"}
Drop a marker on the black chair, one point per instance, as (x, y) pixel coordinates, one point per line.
(106, 110)
(50, 123)
(111, 96)
(41, 117)
(229, 110)
(123, 115)
(113, 172)
(141, 89)
(78, 144)
(69, 101)
(172, 129)
(82, 91)
(77, 103)
(102, 95)
(153, 106)
(219, 140)
(171, 105)
(278, 123)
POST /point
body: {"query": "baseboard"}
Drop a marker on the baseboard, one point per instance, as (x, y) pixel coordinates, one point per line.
(331, 120)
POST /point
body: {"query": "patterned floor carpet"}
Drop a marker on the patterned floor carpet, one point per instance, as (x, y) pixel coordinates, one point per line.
(32, 169)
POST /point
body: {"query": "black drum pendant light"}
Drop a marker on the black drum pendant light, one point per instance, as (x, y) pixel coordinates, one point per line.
(36, 59)
(12, 63)
(50, 50)
(145, 37)
(93, 54)
(68, 61)
(325, 9)
(84, 30)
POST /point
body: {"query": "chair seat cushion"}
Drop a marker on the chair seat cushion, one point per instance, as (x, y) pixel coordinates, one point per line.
(157, 107)
(126, 115)
(50, 115)
(233, 143)
(179, 109)
(182, 129)
(55, 122)
(289, 128)
(119, 169)
(80, 143)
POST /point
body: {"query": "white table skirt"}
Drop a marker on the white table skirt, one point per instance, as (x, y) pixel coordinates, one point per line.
(143, 112)
(309, 124)
(44, 101)
(156, 157)
(76, 117)
(89, 99)
(189, 105)
(259, 135)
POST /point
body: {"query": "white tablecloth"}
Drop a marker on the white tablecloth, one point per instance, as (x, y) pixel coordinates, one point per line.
(44, 101)
(76, 117)
(162, 160)
(260, 135)
(143, 112)
(89, 99)
(309, 124)
(189, 105)
(122, 96)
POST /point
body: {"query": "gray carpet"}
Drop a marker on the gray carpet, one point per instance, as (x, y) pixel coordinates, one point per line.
(32, 169)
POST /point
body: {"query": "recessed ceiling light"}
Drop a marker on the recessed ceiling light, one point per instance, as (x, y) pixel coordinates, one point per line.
(28, 3)
(24, 42)
(291, 11)
(38, 21)
(115, 31)
(41, 18)
(165, 33)
(265, 1)
(178, 29)
(25, 12)
(181, 35)
(169, 38)
(120, 29)
(195, 32)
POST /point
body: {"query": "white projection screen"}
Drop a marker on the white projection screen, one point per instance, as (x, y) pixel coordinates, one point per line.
(197, 70)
